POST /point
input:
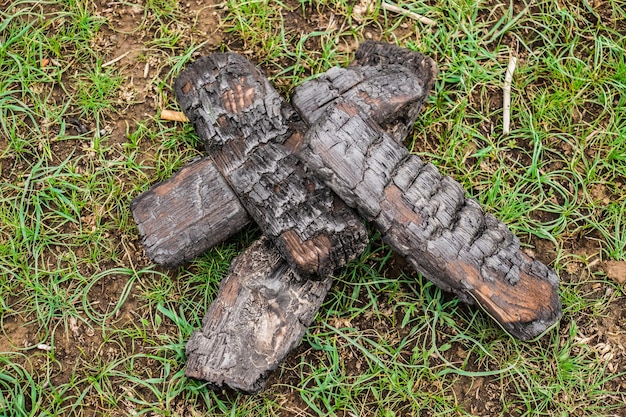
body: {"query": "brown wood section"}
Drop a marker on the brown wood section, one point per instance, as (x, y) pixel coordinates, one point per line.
(260, 314)
(244, 123)
(426, 217)
(182, 217)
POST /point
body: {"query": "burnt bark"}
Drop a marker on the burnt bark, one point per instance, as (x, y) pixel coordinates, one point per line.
(174, 229)
(260, 314)
(426, 217)
(263, 308)
(373, 53)
(192, 211)
(244, 124)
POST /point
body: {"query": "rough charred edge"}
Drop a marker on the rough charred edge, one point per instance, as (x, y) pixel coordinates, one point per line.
(244, 124)
(373, 53)
(260, 314)
(418, 214)
(184, 216)
(379, 53)
(392, 94)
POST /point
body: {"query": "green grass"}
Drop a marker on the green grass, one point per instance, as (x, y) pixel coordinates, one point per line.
(386, 342)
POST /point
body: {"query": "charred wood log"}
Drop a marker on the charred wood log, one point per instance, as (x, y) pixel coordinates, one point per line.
(262, 309)
(260, 314)
(425, 217)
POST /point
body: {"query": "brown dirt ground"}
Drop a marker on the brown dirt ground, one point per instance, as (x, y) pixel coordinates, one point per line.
(124, 35)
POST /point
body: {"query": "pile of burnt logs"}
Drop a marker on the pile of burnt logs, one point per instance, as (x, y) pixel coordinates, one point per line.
(308, 173)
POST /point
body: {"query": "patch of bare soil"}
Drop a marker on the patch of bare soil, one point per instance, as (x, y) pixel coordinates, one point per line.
(16, 335)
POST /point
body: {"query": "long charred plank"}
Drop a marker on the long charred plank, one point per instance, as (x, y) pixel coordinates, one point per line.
(426, 217)
(260, 314)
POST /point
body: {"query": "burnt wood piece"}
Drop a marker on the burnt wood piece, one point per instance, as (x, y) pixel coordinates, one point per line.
(251, 326)
(425, 216)
(260, 314)
(192, 211)
(244, 124)
(387, 82)
(374, 53)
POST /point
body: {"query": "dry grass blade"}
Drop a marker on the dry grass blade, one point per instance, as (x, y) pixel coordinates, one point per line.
(415, 16)
(506, 96)
(113, 61)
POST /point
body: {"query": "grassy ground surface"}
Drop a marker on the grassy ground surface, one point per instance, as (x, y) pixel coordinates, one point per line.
(90, 327)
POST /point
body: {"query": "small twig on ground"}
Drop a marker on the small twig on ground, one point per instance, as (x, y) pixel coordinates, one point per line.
(506, 100)
(175, 116)
(113, 61)
(396, 9)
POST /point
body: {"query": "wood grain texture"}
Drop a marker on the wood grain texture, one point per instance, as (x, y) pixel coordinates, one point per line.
(244, 124)
(260, 314)
(189, 213)
(427, 218)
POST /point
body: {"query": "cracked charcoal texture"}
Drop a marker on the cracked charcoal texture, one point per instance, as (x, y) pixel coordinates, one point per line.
(426, 218)
(244, 124)
(260, 314)
(262, 308)
(177, 223)
(189, 213)
(385, 81)
(374, 53)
